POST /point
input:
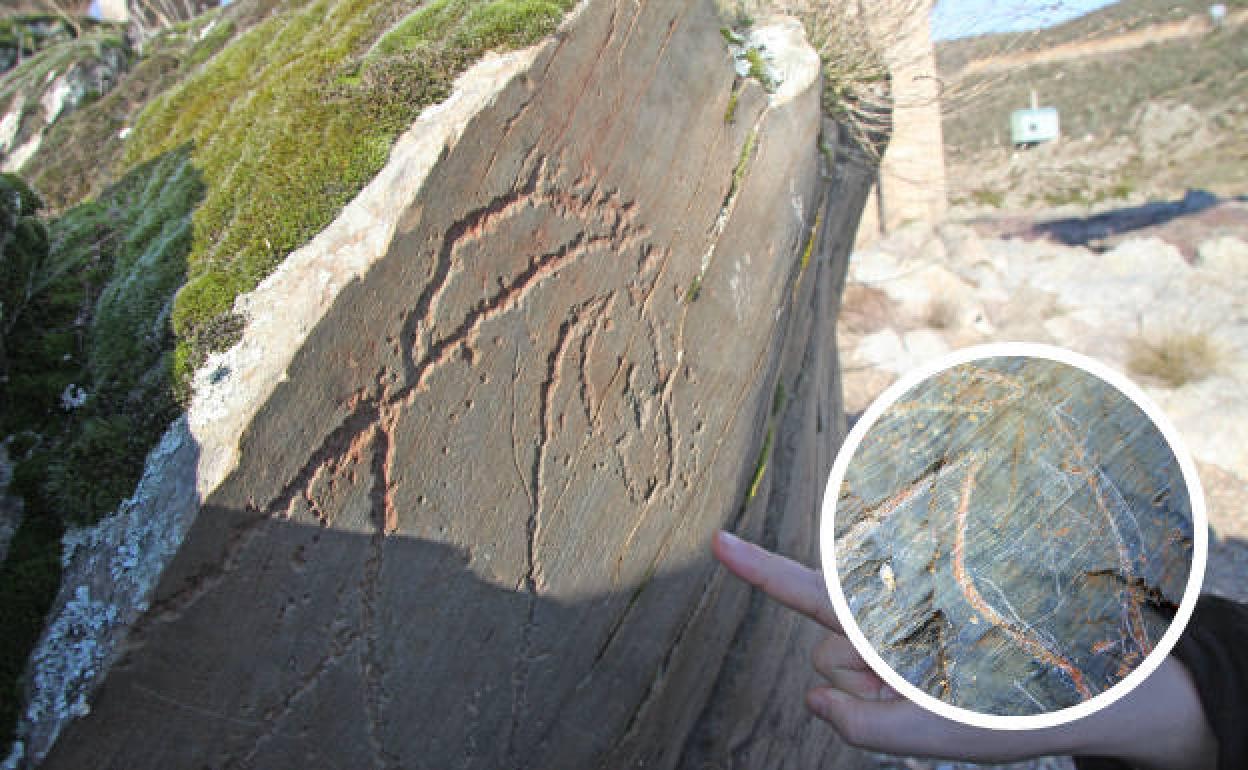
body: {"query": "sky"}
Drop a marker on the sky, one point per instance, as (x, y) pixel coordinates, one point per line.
(962, 18)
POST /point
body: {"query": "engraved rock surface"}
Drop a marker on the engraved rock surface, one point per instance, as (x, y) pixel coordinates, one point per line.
(1012, 535)
(458, 479)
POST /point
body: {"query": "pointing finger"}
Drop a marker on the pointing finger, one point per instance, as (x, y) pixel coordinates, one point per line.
(796, 587)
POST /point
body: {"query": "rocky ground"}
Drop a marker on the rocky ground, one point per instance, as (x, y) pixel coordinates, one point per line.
(1164, 147)
(1158, 297)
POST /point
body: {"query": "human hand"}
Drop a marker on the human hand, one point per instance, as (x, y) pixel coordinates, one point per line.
(1159, 724)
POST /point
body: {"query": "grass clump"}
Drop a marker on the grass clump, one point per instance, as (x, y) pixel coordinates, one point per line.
(695, 289)
(743, 162)
(855, 75)
(810, 243)
(1174, 359)
(760, 466)
(988, 197)
(941, 314)
(730, 113)
(293, 118)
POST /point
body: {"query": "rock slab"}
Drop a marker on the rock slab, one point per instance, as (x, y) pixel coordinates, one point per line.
(459, 478)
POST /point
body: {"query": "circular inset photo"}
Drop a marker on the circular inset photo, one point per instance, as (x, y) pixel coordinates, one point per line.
(1013, 537)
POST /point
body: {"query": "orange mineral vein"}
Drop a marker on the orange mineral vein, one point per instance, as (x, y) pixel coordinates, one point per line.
(1037, 649)
(1084, 470)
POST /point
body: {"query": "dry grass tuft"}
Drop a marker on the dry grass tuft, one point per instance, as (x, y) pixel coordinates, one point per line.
(941, 314)
(1174, 359)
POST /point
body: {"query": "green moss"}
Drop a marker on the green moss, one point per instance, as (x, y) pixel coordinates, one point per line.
(29, 578)
(210, 44)
(315, 77)
(758, 68)
(743, 162)
(778, 399)
(987, 197)
(695, 289)
(23, 255)
(730, 114)
(760, 466)
(810, 243)
(96, 316)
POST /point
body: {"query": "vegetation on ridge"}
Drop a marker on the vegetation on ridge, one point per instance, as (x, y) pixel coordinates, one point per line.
(81, 151)
(321, 77)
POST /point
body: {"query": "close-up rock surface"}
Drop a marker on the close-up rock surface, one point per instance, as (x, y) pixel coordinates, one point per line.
(1013, 536)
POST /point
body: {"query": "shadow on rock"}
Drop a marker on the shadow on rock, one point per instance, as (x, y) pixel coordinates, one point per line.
(345, 649)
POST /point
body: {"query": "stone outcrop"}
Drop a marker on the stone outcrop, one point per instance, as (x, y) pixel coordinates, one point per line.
(51, 85)
(448, 502)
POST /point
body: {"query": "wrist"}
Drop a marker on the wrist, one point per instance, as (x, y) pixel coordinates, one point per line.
(1160, 724)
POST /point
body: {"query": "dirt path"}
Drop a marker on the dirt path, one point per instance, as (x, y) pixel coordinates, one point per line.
(1193, 26)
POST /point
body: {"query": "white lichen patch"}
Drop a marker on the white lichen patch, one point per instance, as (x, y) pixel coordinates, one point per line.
(10, 123)
(789, 64)
(792, 65)
(887, 578)
(57, 97)
(18, 157)
(110, 570)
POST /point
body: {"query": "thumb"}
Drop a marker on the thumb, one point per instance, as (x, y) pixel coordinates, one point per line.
(863, 724)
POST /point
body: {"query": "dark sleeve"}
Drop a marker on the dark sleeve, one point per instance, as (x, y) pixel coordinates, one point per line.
(1214, 650)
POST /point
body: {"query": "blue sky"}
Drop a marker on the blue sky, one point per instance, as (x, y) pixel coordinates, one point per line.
(960, 18)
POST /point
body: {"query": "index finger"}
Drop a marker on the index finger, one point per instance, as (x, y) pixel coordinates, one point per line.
(793, 585)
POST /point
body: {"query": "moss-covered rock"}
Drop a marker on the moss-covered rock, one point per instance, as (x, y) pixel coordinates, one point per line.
(24, 35)
(51, 84)
(254, 133)
(79, 155)
(343, 77)
(23, 249)
(87, 385)
(91, 354)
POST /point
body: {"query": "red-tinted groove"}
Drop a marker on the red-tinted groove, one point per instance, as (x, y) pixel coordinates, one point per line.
(973, 597)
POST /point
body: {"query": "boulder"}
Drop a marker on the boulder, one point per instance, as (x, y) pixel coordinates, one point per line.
(448, 503)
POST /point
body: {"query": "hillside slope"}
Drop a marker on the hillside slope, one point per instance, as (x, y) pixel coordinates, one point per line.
(1138, 124)
(1115, 19)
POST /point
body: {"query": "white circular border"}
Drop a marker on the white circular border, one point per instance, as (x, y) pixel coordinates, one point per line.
(827, 539)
